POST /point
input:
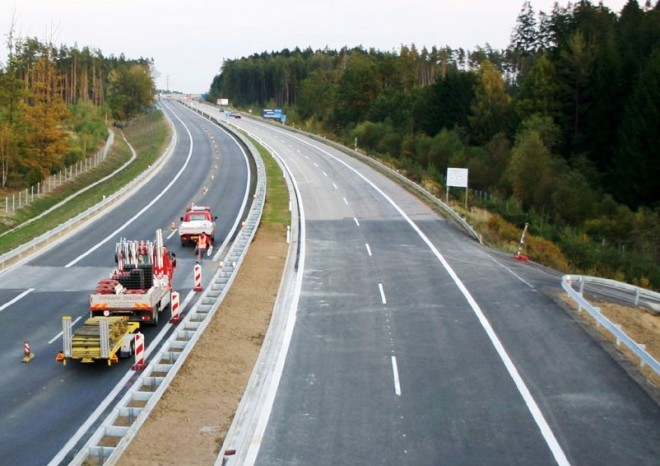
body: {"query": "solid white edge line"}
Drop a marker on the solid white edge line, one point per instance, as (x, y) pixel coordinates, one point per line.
(532, 406)
(17, 298)
(82, 430)
(395, 373)
(59, 457)
(68, 446)
(271, 390)
(145, 208)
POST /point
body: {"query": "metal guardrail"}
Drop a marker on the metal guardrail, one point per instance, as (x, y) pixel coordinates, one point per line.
(237, 447)
(569, 281)
(629, 293)
(406, 182)
(51, 237)
(246, 425)
(123, 423)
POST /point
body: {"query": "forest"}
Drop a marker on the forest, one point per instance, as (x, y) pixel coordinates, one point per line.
(56, 104)
(559, 130)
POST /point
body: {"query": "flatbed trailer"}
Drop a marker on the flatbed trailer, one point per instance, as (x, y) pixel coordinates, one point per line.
(99, 338)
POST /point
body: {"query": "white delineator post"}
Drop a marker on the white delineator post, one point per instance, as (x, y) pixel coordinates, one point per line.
(518, 256)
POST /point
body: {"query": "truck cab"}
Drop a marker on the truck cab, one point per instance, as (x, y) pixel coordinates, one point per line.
(197, 220)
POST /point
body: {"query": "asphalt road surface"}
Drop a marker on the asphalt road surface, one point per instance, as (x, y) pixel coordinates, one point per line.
(415, 345)
(43, 404)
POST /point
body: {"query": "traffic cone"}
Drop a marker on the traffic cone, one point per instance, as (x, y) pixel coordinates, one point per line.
(28, 355)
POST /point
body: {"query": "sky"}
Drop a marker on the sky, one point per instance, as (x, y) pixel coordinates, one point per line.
(189, 39)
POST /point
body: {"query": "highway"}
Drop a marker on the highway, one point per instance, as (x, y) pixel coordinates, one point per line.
(43, 404)
(415, 345)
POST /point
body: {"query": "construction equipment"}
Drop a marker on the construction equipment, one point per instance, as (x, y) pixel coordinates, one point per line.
(108, 338)
(141, 285)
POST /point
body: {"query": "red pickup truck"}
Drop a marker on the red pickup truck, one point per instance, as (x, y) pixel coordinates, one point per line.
(197, 219)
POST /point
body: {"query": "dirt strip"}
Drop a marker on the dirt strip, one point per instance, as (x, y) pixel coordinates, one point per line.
(190, 422)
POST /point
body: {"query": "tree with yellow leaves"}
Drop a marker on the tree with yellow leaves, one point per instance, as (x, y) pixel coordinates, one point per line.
(44, 112)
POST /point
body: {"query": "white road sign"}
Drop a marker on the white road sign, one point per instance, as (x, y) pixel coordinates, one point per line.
(457, 177)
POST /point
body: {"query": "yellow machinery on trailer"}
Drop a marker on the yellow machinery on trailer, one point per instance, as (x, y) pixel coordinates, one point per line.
(108, 338)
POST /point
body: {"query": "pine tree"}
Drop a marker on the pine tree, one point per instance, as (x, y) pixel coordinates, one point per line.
(575, 66)
(524, 38)
(636, 168)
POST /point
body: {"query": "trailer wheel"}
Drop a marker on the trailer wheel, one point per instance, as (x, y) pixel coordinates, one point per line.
(131, 351)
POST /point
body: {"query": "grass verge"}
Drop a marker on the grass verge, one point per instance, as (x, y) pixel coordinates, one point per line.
(148, 135)
(276, 209)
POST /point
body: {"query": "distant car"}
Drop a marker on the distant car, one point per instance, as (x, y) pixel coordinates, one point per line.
(236, 115)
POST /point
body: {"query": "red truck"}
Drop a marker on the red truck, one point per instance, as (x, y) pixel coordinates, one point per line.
(197, 219)
(141, 285)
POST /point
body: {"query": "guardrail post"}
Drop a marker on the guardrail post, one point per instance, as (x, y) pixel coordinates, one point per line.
(641, 361)
(618, 341)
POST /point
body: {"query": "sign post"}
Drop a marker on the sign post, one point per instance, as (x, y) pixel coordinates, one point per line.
(457, 177)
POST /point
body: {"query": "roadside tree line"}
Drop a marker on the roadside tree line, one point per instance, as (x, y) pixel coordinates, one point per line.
(560, 128)
(56, 103)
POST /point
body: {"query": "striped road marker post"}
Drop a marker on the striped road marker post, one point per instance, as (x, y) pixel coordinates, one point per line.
(197, 275)
(174, 306)
(28, 355)
(139, 353)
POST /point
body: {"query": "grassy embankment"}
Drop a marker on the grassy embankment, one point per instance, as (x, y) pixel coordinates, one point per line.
(148, 134)
(276, 213)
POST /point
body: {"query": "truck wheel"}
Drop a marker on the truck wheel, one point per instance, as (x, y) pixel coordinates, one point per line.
(154, 316)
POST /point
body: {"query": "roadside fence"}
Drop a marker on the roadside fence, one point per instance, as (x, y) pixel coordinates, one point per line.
(23, 198)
